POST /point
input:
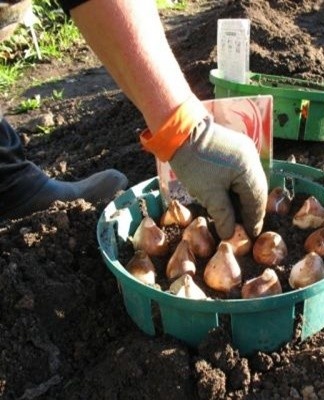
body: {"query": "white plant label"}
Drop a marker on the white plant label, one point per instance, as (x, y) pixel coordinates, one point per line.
(233, 49)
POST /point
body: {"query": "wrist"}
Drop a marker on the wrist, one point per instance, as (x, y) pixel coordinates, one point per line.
(175, 131)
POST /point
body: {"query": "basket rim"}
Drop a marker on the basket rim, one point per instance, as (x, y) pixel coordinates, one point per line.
(285, 92)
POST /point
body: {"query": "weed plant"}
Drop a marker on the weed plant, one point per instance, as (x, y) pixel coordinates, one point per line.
(56, 34)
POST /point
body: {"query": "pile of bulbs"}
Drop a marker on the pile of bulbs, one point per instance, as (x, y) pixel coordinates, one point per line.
(222, 271)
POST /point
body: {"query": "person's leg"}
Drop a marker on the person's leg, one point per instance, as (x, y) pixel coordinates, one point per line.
(25, 188)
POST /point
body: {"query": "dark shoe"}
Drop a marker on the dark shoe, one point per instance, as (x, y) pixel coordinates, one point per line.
(102, 186)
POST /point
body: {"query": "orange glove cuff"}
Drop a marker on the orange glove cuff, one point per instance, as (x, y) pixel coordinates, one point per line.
(174, 132)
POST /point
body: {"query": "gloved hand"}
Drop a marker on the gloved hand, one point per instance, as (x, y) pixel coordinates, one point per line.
(215, 160)
(210, 162)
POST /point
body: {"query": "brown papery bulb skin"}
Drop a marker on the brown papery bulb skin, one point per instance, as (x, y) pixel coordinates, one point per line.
(307, 271)
(315, 242)
(142, 267)
(181, 262)
(240, 241)
(279, 201)
(200, 238)
(310, 215)
(222, 271)
(269, 249)
(150, 238)
(267, 284)
(176, 213)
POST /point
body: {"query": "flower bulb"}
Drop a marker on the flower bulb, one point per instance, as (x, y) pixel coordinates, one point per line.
(307, 271)
(315, 242)
(222, 271)
(310, 215)
(279, 201)
(181, 262)
(200, 238)
(240, 241)
(267, 284)
(141, 267)
(185, 286)
(269, 249)
(150, 238)
(176, 213)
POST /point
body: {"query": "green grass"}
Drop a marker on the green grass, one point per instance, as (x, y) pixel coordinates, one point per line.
(9, 74)
(56, 35)
(174, 4)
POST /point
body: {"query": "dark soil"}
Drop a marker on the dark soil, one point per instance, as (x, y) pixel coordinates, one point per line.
(64, 331)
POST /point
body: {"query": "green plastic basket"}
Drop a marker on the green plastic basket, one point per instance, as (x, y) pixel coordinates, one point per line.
(262, 324)
(298, 105)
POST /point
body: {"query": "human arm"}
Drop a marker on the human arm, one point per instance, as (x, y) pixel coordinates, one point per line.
(128, 38)
(210, 160)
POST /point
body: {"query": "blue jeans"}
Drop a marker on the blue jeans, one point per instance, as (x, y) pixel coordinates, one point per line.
(20, 179)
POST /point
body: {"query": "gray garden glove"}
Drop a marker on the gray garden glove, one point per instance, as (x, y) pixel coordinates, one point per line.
(212, 161)
(216, 160)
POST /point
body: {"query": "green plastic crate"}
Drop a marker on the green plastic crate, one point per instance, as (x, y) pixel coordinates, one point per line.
(298, 105)
(262, 324)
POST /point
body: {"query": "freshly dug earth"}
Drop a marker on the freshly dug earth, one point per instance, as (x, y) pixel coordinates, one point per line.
(64, 331)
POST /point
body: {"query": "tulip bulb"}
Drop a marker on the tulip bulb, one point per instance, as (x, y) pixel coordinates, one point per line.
(269, 249)
(150, 238)
(222, 271)
(307, 271)
(176, 213)
(292, 159)
(240, 241)
(181, 262)
(186, 287)
(279, 201)
(315, 242)
(310, 215)
(200, 239)
(141, 267)
(267, 284)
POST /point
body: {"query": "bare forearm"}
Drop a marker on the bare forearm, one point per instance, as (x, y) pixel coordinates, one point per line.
(128, 37)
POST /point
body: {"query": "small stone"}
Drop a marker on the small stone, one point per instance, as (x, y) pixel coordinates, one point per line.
(308, 393)
(45, 120)
(294, 394)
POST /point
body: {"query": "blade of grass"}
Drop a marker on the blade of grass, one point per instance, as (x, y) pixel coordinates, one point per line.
(9, 74)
